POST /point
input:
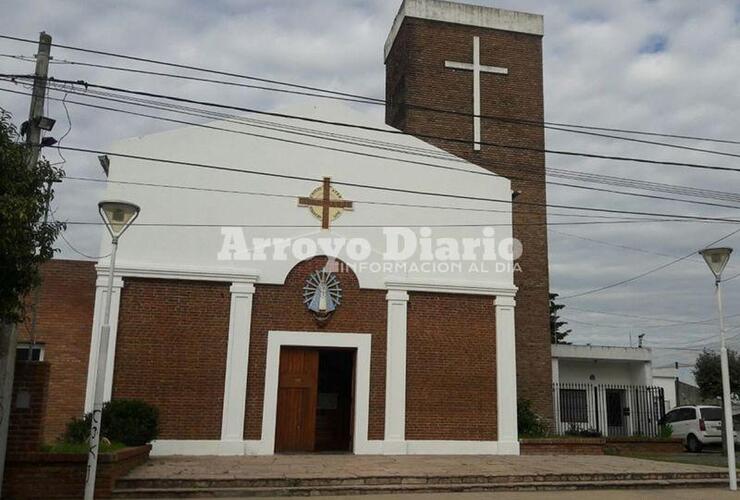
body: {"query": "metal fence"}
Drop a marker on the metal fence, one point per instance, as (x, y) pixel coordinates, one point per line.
(607, 410)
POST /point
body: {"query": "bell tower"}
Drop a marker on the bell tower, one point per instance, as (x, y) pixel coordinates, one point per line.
(447, 63)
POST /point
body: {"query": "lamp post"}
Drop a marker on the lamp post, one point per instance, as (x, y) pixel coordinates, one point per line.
(716, 259)
(117, 216)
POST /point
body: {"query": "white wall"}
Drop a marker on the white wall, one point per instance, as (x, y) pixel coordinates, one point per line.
(196, 248)
(604, 372)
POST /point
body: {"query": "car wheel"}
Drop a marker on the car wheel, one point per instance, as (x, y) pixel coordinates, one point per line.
(693, 444)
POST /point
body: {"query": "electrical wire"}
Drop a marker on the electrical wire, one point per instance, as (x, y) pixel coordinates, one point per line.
(646, 273)
(379, 129)
(413, 106)
(393, 147)
(361, 98)
(683, 190)
(389, 188)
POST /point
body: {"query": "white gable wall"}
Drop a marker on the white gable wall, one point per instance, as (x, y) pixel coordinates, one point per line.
(195, 248)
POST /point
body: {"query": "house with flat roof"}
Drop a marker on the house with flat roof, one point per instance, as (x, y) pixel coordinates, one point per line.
(605, 390)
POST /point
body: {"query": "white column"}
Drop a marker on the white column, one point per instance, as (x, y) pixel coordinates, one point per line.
(92, 366)
(237, 359)
(395, 374)
(508, 439)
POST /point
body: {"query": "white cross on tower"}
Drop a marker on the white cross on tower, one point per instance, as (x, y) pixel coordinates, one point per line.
(477, 69)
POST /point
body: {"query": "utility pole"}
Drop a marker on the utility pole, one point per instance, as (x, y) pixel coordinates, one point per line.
(8, 331)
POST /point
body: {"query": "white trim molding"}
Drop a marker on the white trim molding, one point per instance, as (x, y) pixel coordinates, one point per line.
(462, 287)
(360, 341)
(181, 273)
(200, 447)
(237, 362)
(506, 404)
(92, 366)
(395, 373)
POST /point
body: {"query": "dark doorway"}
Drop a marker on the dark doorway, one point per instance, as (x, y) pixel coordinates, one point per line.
(334, 400)
(615, 407)
(315, 396)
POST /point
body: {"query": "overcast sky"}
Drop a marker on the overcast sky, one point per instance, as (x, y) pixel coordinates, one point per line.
(660, 65)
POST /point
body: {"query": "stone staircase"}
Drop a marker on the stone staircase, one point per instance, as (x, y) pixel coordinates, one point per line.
(132, 487)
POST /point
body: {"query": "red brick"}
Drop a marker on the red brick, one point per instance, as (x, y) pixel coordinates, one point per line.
(64, 325)
(416, 75)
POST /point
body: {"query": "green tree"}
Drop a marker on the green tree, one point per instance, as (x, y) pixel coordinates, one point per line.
(25, 241)
(708, 374)
(557, 335)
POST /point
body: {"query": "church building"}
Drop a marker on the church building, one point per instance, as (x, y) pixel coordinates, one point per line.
(339, 284)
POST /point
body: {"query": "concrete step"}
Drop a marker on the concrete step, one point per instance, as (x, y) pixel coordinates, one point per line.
(223, 491)
(206, 483)
(419, 488)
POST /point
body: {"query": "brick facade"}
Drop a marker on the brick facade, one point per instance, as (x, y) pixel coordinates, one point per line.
(281, 308)
(171, 352)
(416, 76)
(64, 324)
(451, 367)
(28, 406)
(41, 476)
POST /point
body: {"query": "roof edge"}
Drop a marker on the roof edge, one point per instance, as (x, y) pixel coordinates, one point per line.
(467, 14)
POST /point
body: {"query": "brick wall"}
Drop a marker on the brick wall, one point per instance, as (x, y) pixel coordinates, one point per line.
(28, 406)
(64, 325)
(416, 75)
(451, 367)
(281, 308)
(62, 475)
(171, 352)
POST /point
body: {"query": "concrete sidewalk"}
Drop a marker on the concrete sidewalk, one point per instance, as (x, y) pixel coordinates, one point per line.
(353, 466)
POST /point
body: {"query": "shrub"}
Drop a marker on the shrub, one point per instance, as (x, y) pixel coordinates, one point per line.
(530, 424)
(78, 430)
(128, 421)
(665, 431)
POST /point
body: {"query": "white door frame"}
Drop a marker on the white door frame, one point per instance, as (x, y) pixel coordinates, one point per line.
(360, 341)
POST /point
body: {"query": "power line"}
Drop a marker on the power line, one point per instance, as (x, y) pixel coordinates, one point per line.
(367, 202)
(584, 177)
(391, 189)
(382, 130)
(373, 102)
(361, 98)
(646, 273)
(674, 322)
(615, 245)
(475, 172)
(355, 140)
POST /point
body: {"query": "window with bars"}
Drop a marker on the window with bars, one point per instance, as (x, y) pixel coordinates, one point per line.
(573, 406)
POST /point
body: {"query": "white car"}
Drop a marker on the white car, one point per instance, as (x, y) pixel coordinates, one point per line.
(696, 425)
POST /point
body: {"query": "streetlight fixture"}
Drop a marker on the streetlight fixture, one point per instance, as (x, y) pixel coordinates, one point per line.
(117, 216)
(717, 259)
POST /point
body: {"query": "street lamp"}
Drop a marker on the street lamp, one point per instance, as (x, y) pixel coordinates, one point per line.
(716, 259)
(117, 216)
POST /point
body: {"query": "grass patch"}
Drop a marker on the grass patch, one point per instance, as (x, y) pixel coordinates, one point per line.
(64, 447)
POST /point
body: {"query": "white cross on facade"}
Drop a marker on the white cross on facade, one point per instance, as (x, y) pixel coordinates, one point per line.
(477, 69)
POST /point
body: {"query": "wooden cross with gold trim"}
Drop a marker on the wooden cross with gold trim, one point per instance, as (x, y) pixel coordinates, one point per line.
(328, 199)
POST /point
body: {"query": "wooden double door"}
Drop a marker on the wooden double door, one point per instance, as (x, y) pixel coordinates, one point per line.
(315, 400)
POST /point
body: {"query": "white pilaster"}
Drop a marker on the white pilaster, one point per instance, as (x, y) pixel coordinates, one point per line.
(508, 439)
(237, 359)
(395, 373)
(92, 365)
